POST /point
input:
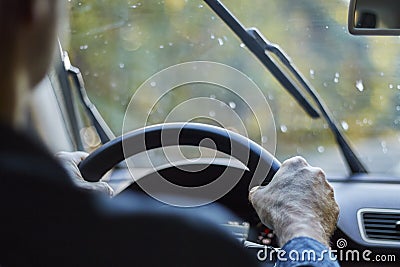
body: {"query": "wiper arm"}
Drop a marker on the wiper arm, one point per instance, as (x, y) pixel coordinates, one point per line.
(259, 51)
(259, 46)
(104, 132)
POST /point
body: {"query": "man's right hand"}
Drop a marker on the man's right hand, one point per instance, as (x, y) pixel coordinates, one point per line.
(70, 161)
(297, 202)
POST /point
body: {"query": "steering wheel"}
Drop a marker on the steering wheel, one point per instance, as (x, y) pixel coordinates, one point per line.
(261, 165)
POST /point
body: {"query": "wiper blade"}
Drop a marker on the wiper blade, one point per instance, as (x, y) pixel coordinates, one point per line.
(104, 132)
(259, 50)
(259, 46)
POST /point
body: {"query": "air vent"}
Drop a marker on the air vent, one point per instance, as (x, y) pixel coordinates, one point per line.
(380, 225)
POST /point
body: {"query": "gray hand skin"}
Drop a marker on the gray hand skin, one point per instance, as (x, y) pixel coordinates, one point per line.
(70, 161)
(297, 202)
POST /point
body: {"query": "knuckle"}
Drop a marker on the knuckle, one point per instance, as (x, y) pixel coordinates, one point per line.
(317, 173)
(336, 211)
(296, 162)
(300, 161)
(331, 194)
(330, 188)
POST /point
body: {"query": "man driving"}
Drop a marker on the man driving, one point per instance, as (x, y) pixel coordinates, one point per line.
(47, 220)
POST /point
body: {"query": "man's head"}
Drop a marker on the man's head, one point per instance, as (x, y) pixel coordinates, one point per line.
(27, 29)
(27, 32)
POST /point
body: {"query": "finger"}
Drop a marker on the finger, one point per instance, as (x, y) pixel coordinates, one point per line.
(108, 188)
(75, 157)
(251, 192)
(254, 193)
(104, 188)
(78, 156)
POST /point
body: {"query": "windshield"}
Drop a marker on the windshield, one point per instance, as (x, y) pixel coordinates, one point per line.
(119, 44)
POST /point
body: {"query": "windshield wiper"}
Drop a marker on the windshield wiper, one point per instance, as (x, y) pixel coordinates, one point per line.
(102, 129)
(260, 47)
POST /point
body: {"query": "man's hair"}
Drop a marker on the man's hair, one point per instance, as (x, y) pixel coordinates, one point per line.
(11, 11)
(15, 15)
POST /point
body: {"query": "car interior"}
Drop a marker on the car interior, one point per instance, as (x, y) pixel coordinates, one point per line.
(328, 72)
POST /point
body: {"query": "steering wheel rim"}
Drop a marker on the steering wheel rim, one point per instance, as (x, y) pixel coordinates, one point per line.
(260, 163)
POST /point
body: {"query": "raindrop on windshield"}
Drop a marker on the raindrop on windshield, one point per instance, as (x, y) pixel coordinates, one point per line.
(336, 79)
(242, 45)
(153, 84)
(367, 121)
(212, 113)
(391, 86)
(121, 65)
(345, 125)
(321, 149)
(384, 147)
(360, 85)
(264, 139)
(312, 73)
(161, 46)
(84, 47)
(220, 41)
(284, 128)
(232, 105)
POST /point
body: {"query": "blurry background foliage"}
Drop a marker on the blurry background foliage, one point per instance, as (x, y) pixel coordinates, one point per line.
(118, 44)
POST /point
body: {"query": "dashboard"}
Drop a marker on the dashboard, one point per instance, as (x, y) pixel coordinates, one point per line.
(369, 210)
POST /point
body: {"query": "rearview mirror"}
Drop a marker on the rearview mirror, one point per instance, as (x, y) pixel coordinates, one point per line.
(374, 17)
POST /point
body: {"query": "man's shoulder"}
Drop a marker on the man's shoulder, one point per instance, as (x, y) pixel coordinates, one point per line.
(31, 178)
(22, 158)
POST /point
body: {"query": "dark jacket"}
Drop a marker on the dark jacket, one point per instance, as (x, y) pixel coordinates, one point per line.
(46, 221)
